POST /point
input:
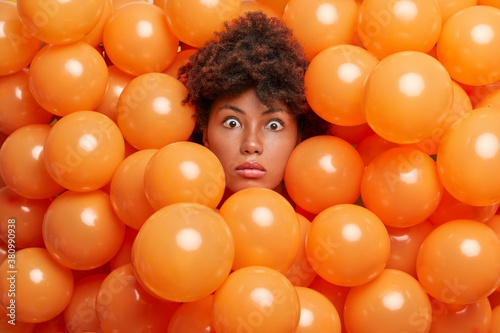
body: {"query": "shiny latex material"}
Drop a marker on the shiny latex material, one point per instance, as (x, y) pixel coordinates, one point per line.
(317, 313)
(451, 318)
(277, 5)
(449, 8)
(124, 254)
(193, 317)
(181, 58)
(372, 146)
(94, 36)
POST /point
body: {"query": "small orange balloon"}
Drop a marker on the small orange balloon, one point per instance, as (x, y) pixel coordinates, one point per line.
(277, 5)
(256, 218)
(372, 146)
(255, 5)
(189, 239)
(180, 60)
(323, 171)
(473, 317)
(256, 298)
(184, 172)
(351, 134)
(449, 8)
(193, 317)
(495, 318)
(151, 113)
(83, 150)
(42, 287)
(317, 313)
(94, 36)
(459, 262)
(492, 100)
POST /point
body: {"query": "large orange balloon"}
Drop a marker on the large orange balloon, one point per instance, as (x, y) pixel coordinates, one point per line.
(137, 39)
(468, 158)
(402, 187)
(449, 8)
(338, 243)
(351, 134)
(319, 24)
(451, 318)
(42, 287)
(22, 166)
(195, 21)
(184, 172)
(459, 262)
(256, 299)
(183, 252)
(68, 78)
(323, 171)
(407, 96)
(83, 150)
(193, 317)
(386, 27)
(81, 230)
(17, 45)
(334, 83)
(317, 313)
(258, 217)
(94, 36)
(180, 60)
(372, 146)
(151, 113)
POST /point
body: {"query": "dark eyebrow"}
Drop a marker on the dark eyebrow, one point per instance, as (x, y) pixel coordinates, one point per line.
(236, 109)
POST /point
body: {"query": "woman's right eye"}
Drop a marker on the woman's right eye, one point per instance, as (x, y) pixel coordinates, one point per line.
(231, 123)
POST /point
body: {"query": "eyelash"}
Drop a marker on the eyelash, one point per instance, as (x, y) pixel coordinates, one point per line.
(277, 120)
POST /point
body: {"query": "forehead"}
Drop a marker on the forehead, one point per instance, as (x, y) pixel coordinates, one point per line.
(247, 102)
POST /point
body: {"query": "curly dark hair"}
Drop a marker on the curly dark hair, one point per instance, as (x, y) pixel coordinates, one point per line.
(252, 51)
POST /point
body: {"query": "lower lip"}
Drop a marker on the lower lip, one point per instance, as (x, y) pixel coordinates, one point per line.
(251, 173)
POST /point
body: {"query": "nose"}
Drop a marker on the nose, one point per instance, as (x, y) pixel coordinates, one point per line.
(251, 142)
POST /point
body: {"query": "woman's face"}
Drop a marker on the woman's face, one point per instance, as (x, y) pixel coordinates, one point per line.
(252, 141)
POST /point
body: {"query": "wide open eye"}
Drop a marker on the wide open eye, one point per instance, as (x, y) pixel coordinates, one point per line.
(275, 125)
(231, 123)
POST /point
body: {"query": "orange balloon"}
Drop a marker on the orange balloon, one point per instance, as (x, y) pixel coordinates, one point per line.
(492, 3)
(80, 315)
(386, 27)
(451, 318)
(492, 100)
(195, 21)
(468, 158)
(81, 230)
(323, 171)
(22, 165)
(21, 219)
(184, 172)
(407, 96)
(137, 39)
(494, 223)
(193, 317)
(338, 241)
(60, 21)
(277, 5)
(19, 326)
(402, 187)
(459, 262)
(256, 218)
(372, 146)
(351, 134)
(94, 36)
(468, 45)
(159, 3)
(83, 150)
(189, 239)
(256, 298)
(122, 305)
(393, 302)
(17, 44)
(42, 287)
(317, 313)
(124, 254)
(405, 243)
(255, 5)
(180, 60)
(477, 93)
(68, 78)
(495, 320)
(449, 8)
(334, 83)
(320, 24)
(56, 324)
(127, 191)
(18, 108)
(151, 113)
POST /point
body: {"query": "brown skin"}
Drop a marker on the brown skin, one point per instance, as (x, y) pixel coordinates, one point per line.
(242, 129)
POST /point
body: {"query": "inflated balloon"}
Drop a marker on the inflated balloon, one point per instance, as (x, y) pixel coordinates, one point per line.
(334, 83)
(184, 172)
(193, 317)
(94, 36)
(123, 305)
(468, 45)
(372, 146)
(256, 299)
(478, 93)
(407, 96)
(7, 326)
(351, 134)
(80, 314)
(459, 262)
(317, 313)
(60, 21)
(402, 187)
(495, 319)
(323, 171)
(449, 8)
(319, 24)
(151, 113)
(474, 317)
(469, 157)
(127, 192)
(338, 241)
(255, 5)
(17, 44)
(83, 150)
(137, 39)
(21, 219)
(15, 95)
(492, 100)
(195, 21)
(68, 78)
(42, 287)
(81, 230)
(56, 324)
(178, 234)
(386, 27)
(277, 5)
(124, 254)
(393, 302)
(180, 59)
(22, 163)
(257, 217)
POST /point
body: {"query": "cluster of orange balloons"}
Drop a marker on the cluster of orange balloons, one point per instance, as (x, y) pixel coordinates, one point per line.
(111, 220)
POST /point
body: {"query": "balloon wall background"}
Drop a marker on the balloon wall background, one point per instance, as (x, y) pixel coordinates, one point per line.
(107, 220)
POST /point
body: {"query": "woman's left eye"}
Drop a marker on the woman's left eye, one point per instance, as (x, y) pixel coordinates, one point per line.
(275, 125)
